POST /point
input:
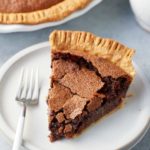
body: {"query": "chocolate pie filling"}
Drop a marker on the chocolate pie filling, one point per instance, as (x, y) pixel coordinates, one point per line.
(20, 6)
(82, 92)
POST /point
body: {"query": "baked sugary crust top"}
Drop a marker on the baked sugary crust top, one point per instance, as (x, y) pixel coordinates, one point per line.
(20, 6)
(30, 14)
(77, 42)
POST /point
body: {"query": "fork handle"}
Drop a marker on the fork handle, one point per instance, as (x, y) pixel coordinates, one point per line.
(19, 132)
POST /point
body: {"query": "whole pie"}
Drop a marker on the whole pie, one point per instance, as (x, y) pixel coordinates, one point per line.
(90, 78)
(38, 11)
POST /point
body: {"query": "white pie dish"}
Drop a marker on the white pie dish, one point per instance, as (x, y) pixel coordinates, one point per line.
(26, 28)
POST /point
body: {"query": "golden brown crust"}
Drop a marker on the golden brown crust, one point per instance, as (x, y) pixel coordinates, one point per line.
(54, 13)
(88, 43)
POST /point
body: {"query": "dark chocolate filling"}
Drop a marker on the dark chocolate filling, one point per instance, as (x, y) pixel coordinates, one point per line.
(113, 89)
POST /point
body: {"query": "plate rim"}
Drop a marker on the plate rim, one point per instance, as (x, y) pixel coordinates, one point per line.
(10, 28)
(4, 68)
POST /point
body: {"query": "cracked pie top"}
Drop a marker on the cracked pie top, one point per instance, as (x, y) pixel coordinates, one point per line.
(90, 78)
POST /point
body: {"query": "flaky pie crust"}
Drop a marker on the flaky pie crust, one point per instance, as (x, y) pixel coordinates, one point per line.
(109, 49)
(54, 13)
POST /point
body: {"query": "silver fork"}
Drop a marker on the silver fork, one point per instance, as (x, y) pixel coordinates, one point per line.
(28, 94)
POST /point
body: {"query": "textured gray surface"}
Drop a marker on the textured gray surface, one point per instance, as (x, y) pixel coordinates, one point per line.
(112, 19)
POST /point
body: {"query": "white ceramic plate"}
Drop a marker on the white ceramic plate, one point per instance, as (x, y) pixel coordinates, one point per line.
(25, 28)
(122, 129)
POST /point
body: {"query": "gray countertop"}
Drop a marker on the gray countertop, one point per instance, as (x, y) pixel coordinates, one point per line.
(113, 19)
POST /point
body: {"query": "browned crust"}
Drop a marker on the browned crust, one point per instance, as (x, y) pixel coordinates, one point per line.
(54, 13)
(85, 42)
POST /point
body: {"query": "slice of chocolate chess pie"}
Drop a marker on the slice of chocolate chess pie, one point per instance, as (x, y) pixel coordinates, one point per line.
(90, 78)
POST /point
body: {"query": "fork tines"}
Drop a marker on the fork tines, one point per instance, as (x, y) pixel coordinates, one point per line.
(28, 88)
